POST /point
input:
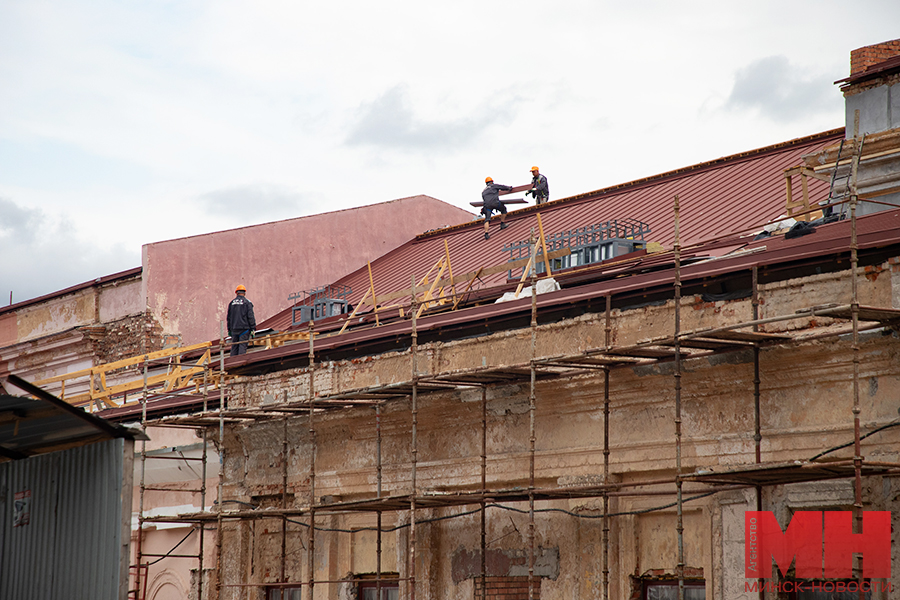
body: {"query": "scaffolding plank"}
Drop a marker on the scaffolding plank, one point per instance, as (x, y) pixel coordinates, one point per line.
(781, 473)
(703, 343)
(642, 352)
(747, 336)
(866, 313)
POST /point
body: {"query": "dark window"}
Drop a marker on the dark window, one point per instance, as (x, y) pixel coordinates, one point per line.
(668, 590)
(284, 593)
(368, 590)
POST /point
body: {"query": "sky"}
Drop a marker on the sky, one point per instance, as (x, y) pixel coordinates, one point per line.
(127, 123)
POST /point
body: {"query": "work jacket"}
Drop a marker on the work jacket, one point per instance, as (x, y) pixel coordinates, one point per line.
(491, 193)
(240, 316)
(541, 189)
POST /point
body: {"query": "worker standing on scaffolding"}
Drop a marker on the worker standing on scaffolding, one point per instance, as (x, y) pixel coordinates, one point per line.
(491, 197)
(241, 321)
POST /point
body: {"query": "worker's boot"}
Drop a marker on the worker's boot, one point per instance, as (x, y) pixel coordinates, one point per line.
(503, 225)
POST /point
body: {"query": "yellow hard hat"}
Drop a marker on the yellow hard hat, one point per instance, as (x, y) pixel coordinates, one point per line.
(488, 180)
(240, 288)
(534, 169)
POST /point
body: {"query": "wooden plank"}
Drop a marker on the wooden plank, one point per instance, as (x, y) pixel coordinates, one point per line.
(525, 272)
(516, 188)
(543, 245)
(468, 287)
(449, 266)
(510, 201)
(372, 289)
(355, 309)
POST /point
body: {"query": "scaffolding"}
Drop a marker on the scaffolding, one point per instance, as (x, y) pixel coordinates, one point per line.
(676, 348)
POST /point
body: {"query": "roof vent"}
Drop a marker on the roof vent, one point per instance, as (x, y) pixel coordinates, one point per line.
(319, 303)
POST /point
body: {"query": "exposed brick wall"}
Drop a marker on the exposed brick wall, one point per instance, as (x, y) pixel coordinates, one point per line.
(507, 588)
(863, 58)
(125, 337)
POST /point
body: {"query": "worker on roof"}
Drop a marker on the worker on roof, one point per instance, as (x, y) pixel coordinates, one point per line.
(491, 197)
(241, 321)
(540, 189)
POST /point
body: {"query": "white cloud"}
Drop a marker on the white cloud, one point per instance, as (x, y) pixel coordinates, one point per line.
(138, 122)
(780, 91)
(41, 255)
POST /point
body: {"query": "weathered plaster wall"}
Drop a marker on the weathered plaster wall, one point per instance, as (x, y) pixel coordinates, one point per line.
(188, 282)
(98, 323)
(806, 407)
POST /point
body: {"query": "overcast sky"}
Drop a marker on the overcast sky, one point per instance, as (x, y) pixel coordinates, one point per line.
(125, 123)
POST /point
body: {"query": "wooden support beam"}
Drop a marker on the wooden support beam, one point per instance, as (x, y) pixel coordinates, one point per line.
(355, 310)
(543, 245)
(481, 272)
(127, 362)
(372, 289)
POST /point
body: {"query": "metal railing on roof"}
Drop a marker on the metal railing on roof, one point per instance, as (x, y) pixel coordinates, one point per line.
(589, 244)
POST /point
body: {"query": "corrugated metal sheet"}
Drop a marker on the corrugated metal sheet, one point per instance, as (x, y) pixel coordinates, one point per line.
(727, 195)
(73, 546)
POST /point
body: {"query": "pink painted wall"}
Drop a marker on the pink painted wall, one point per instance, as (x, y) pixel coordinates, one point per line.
(188, 282)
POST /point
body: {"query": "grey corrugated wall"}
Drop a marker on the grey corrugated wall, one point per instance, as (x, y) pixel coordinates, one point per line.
(73, 547)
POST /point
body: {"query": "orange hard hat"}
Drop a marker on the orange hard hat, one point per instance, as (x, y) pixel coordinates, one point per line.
(240, 288)
(534, 169)
(488, 180)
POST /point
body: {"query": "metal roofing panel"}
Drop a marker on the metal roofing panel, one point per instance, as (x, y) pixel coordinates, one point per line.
(873, 231)
(730, 194)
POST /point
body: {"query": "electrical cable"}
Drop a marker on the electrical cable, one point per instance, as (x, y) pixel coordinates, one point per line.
(166, 555)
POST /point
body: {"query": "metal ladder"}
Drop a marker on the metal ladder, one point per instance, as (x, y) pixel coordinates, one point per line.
(848, 179)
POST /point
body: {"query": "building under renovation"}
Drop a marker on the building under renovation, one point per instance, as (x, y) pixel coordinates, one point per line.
(587, 404)
(584, 406)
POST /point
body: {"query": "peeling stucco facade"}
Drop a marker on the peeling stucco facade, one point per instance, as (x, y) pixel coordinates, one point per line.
(805, 405)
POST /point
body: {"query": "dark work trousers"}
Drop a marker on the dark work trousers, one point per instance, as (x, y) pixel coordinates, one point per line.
(239, 348)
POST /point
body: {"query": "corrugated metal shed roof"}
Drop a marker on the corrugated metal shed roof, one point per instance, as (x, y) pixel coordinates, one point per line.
(34, 426)
(727, 195)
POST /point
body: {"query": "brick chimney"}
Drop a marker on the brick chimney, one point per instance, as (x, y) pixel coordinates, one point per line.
(863, 58)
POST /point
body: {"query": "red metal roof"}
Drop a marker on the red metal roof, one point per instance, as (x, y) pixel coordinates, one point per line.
(727, 195)
(874, 231)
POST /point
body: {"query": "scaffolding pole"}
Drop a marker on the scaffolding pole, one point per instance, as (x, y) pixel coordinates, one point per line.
(378, 495)
(605, 559)
(483, 492)
(679, 525)
(140, 532)
(284, 480)
(415, 448)
(854, 312)
(311, 536)
(223, 405)
(757, 420)
(531, 415)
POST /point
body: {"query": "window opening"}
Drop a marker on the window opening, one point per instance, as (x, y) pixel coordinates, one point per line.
(668, 590)
(284, 593)
(367, 588)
